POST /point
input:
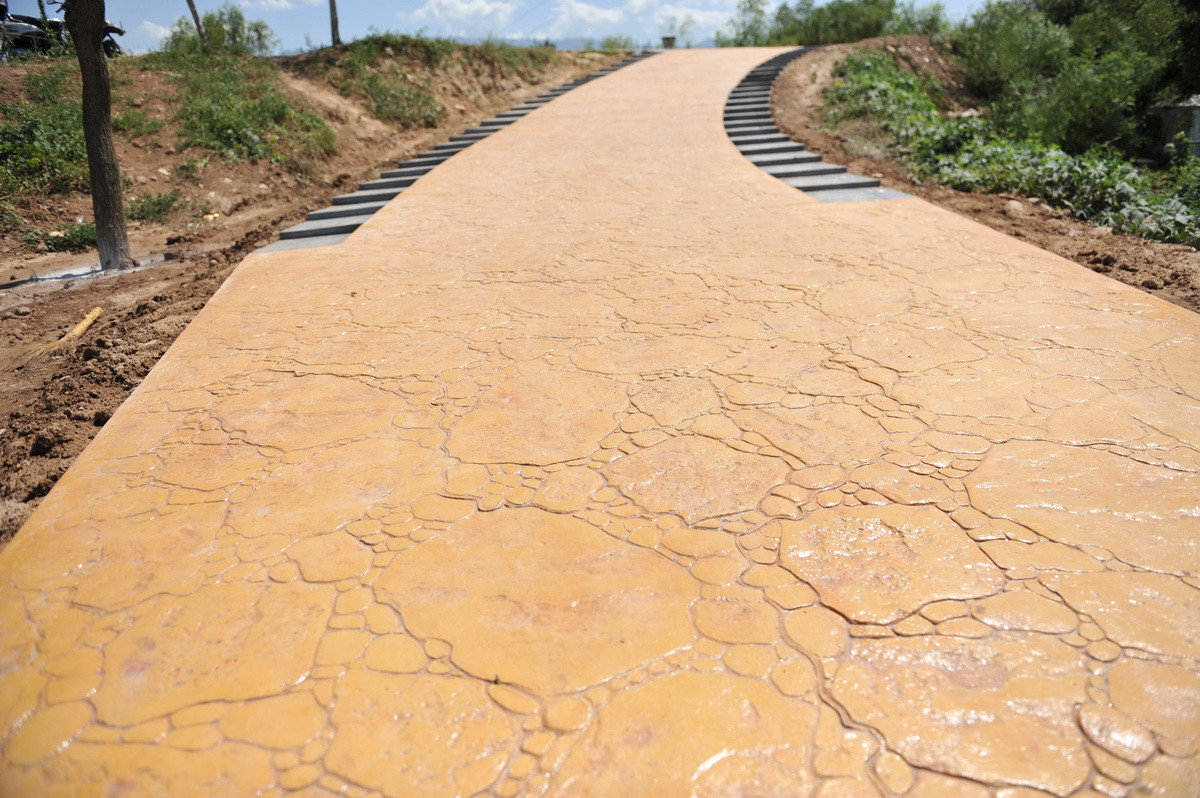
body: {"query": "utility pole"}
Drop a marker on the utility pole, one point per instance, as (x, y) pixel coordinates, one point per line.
(333, 23)
(85, 21)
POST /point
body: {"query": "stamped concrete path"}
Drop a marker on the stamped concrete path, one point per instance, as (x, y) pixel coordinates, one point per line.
(601, 463)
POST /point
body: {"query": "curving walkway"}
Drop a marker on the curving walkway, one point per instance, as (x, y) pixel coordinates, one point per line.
(603, 463)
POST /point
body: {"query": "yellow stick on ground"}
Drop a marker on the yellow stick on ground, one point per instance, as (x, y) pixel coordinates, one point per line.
(46, 350)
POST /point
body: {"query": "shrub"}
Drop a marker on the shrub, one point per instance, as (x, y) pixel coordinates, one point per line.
(41, 142)
(397, 100)
(71, 238)
(233, 106)
(973, 155)
(153, 207)
(1010, 44)
(227, 31)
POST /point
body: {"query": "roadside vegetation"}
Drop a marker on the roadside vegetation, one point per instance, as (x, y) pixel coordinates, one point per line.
(220, 98)
(1062, 99)
(385, 71)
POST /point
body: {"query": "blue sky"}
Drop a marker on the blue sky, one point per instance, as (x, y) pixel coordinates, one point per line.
(299, 22)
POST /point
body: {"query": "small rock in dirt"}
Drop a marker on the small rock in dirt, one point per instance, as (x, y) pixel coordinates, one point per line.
(100, 418)
(22, 311)
(1102, 231)
(1152, 284)
(1016, 208)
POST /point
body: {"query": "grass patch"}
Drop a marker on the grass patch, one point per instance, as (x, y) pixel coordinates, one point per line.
(233, 106)
(71, 238)
(41, 141)
(153, 207)
(391, 71)
(974, 155)
(135, 123)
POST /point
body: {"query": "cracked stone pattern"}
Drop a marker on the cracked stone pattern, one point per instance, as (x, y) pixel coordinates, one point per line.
(637, 472)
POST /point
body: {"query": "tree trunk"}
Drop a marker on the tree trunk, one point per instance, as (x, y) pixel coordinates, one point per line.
(199, 25)
(333, 23)
(85, 21)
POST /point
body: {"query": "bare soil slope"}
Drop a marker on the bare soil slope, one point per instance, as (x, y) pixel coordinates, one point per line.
(1169, 271)
(51, 410)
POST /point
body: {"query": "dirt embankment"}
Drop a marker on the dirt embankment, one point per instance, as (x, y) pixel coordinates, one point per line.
(1169, 271)
(49, 411)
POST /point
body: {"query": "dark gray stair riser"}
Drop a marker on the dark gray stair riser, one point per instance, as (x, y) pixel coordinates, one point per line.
(415, 171)
(470, 136)
(337, 211)
(324, 227)
(749, 132)
(784, 159)
(770, 149)
(812, 169)
(359, 197)
(763, 138)
(388, 182)
(827, 182)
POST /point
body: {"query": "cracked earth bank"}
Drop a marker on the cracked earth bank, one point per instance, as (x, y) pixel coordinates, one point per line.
(601, 462)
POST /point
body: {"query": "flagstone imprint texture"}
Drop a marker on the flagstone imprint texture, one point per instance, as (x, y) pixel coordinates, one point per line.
(602, 462)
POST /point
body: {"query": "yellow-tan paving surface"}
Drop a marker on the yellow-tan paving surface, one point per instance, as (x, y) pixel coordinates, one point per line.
(600, 463)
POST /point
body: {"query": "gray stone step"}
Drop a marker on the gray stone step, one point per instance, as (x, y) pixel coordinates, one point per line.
(285, 244)
(784, 159)
(471, 137)
(810, 169)
(418, 161)
(453, 146)
(388, 182)
(767, 149)
(859, 194)
(496, 122)
(336, 211)
(745, 116)
(411, 171)
(830, 182)
(324, 227)
(359, 197)
(751, 124)
(746, 132)
(760, 138)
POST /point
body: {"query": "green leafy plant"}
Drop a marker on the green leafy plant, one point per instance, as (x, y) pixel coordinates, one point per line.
(233, 106)
(41, 142)
(228, 32)
(136, 123)
(70, 238)
(397, 100)
(974, 155)
(153, 207)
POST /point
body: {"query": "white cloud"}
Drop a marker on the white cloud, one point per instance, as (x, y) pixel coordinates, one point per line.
(154, 30)
(463, 18)
(643, 20)
(268, 5)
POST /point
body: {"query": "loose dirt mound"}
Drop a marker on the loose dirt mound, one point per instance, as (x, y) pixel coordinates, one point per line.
(50, 411)
(1169, 271)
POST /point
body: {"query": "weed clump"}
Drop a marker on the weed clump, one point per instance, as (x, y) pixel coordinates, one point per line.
(973, 154)
(154, 207)
(41, 142)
